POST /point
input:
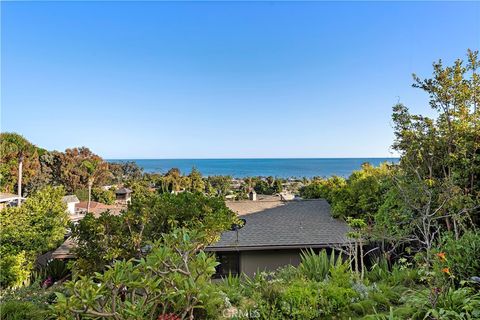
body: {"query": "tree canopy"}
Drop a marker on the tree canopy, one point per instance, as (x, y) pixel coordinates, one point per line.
(34, 228)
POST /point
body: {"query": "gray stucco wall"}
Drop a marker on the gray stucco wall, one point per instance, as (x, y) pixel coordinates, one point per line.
(267, 260)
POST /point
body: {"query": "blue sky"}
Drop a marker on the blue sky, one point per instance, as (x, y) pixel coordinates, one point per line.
(222, 79)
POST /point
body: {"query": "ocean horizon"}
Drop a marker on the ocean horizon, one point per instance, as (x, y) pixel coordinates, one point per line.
(276, 167)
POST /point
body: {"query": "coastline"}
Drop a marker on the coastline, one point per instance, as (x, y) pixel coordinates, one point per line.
(246, 167)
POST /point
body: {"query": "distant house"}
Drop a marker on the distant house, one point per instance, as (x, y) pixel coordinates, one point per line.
(123, 195)
(275, 233)
(97, 208)
(70, 201)
(9, 200)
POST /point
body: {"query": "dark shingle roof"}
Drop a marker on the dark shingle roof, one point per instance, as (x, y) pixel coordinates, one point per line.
(292, 224)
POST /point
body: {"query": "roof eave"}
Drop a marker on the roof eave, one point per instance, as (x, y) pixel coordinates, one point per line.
(274, 247)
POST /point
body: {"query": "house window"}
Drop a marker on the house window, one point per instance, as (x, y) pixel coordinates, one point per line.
(229, 264)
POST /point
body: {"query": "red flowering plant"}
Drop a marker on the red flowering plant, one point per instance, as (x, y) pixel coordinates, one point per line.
(436, 273)
(441, 275)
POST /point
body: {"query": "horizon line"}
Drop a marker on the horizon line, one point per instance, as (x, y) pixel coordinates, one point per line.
(259, 158)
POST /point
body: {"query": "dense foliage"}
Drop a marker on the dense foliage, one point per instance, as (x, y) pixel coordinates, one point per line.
(323, 287)
(27, 231)
(102, 240)
(173, 278)
(14, 147)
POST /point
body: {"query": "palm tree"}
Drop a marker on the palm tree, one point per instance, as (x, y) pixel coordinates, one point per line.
(96, 170)
(20, 174)
(14, 148)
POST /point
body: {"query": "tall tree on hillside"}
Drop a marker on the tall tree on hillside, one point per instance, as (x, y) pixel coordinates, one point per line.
(18, 162)
(97, 170)
(440, 158)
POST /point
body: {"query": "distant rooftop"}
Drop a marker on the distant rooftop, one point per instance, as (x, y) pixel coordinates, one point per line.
(263, 202)
(70, 199)
(4, 197)
(283, 224)
(64, 251)
(123, 191)
(97, 208)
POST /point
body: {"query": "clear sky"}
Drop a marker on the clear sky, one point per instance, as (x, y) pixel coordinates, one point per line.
(222, 79)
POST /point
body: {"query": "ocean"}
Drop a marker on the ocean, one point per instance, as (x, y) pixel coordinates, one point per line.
(239, 168)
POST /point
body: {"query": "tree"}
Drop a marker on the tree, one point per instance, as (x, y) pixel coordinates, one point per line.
(220, 184)
(18, 163)
(101, 241)
(357, 233)
(97, 170)
(172, 181)
(103, 196)
(125, 172)
(440, 162)
(34, 228)
(171, 282)
(262, 187)
(323, 188)
(73, 165)
(359, 196)
(278, 187)
(196, 181)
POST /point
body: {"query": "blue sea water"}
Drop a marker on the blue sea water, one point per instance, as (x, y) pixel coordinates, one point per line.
(285, 168)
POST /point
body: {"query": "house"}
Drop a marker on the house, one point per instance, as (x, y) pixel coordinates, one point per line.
(9, 200)
(73, 213)
(70, 201)
(97, 208)
(275, 233)
(123, 195)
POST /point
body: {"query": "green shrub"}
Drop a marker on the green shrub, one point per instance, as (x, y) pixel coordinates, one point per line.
(318, 266)
(34, 228)
(403, 276)
(300, 300)
(56, 269)
(175, 272)
(33, 293)
(462, 255)
(336, 299)
(82, 194)
(363, 307)
(231, 286)
(20, 310)
(103, 196)
(463, 303)
(288, 273)
(15, 270)
(379, 270)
